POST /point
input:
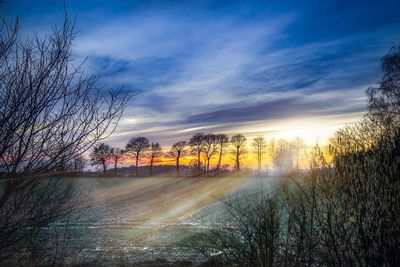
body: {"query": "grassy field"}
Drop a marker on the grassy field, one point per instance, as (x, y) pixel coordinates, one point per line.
(146, 219)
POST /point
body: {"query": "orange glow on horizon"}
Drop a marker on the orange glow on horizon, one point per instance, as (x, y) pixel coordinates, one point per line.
(249, 160)
(313, 131)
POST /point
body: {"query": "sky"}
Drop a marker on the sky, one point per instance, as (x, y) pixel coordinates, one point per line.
(271, 68)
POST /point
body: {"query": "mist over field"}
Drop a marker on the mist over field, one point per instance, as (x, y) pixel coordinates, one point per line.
(148, 219)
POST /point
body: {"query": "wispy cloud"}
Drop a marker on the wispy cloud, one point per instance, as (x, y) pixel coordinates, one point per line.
(226, 66)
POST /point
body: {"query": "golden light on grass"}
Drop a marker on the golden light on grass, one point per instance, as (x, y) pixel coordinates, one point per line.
(149, 205)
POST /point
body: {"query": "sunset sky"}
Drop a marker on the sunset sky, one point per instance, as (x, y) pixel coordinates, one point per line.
(272, 68)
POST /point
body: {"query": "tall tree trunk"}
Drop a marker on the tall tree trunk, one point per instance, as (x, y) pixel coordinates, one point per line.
(137, 164)
(104, 167)
(151, 166)
(237, 159)
(115, 166)
(198, 161)
(177, 163)
(208, 165)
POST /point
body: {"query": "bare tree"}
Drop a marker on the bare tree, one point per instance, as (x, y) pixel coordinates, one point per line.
(238, 142)
(78, 164)
(154, 152)
(222, 142)
(259, 144)
(197, 144)
(116, 155)
(250, 233)
(283, 157)
(136, 147)
(177, 151)
(210, 148)
(384, 100)
(298, 146)
(100, 155)
(50, 114)
(347, 216)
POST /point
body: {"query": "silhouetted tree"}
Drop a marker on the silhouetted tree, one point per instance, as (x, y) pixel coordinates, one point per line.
(197, 144)
(50, 114)
(210, 148)
(259, 144)
(154, 152)
(222, 142)
(384, 100)
(115, 156)
(100, 155)
(177, 151)
(238, 142)
(78, 164)
(136, 147)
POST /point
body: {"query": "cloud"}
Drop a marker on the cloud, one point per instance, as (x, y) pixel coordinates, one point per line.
(229, 82)
(284, 108)
(226, 65)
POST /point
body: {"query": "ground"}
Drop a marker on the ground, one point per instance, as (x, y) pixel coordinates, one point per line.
(146, 219)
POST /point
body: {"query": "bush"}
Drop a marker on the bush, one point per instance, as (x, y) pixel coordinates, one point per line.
(250, 233)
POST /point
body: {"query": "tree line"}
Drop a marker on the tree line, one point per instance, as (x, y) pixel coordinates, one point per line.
(203, 149)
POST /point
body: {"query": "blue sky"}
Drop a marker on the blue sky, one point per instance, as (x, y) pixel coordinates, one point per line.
(257, 67)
